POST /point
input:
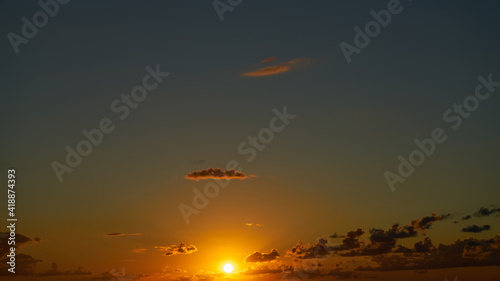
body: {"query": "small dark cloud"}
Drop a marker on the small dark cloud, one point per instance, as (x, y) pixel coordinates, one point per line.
(199, 161)
(476, 229)
(426, 222)
(217, 173)
(178, 249)
(115, 234)
(485, 212)
(262, 257)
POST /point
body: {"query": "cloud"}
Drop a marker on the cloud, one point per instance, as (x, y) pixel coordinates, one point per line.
(476, 229)
(485, 212)
(261, 270)
(424, 246)
(426, 222)
(139, 250)
(178, 249)
(262, 257)
(217, 173)
(268, 59)
(253, 224)
(276, 69)
(54, 271)
(305, 251)
(462, 253)
(115, 234)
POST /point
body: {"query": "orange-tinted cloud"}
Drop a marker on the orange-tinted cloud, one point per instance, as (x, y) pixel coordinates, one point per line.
(268, 59)
(139, 250)
(216, 174)
(178, 249)
(275, 69)
(262, 257)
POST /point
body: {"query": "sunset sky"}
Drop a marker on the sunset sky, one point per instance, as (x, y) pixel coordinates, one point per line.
(257, 144)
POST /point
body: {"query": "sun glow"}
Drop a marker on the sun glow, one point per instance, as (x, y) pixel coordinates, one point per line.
(228, 268)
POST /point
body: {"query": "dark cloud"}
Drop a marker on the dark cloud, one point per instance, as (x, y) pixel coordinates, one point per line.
(424, 246)
(262, 257)
(351, 240)
(476, 229)
(116, 234)
(426, 222)
(217, 173)
(462, 253)
(485, 212)
(305, 251)
(178, 249)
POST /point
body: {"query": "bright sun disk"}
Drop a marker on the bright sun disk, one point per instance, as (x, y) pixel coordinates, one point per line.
(228, 268)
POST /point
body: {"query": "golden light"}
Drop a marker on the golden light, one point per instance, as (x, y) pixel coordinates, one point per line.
(228, 268)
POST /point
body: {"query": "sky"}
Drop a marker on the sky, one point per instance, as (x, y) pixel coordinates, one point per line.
(162, 140)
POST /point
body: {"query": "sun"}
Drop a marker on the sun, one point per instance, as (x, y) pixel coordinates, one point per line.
(228, 268)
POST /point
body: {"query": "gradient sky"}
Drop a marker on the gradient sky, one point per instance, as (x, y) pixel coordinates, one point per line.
(323, 174)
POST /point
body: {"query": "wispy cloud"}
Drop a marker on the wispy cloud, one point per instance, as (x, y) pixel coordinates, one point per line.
(217, 174)
(275, 69)
(268, 59)
(116, 234)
